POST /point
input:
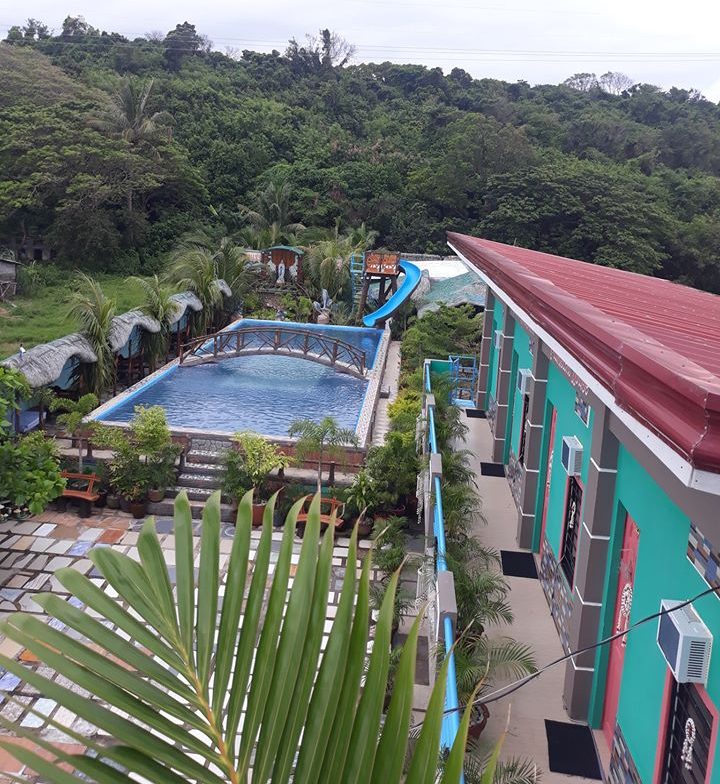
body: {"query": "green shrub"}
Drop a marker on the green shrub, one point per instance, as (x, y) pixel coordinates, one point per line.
(30, 472)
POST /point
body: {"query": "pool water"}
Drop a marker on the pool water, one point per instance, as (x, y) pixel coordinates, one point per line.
(260, 393)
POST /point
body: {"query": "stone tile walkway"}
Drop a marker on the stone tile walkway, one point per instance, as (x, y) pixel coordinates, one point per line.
(390, 381)
(30, 553)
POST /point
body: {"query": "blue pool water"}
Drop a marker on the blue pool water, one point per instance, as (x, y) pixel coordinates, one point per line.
(260, 393)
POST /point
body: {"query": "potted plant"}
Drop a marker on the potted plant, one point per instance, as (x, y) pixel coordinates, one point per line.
(361, 498)
(247, 465)
(29, 475)
(137, 497)
(318, 440)
(72, 420)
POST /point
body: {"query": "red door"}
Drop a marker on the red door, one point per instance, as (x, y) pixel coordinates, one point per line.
(548, 475)
(623, 603)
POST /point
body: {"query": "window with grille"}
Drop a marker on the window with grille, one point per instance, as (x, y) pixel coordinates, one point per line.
(571, 529)
(689, 732)
(523, 423)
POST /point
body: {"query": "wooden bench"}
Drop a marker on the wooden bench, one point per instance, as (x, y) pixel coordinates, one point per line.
(87, 495)
(331, 512)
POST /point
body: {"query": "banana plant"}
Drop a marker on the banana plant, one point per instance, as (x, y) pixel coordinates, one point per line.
(192, 689)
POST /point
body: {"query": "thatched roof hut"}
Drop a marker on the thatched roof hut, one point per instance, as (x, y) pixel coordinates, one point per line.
(183, 301)
(123, 325)
(43, 365)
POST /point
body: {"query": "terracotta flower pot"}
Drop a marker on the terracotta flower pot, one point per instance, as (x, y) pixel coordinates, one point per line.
(258, 513)
(113, 501)
(156, 495)
(124, 504)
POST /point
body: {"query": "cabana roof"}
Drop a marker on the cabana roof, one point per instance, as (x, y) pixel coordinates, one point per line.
(43, 365)
(225, 290)
(183, 301)
(123, 325)
(298, 251)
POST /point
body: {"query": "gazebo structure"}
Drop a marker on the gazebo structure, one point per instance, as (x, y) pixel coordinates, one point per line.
(186, 303)
(284, 262)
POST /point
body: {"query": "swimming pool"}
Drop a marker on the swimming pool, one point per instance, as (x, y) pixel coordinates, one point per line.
(260, 393)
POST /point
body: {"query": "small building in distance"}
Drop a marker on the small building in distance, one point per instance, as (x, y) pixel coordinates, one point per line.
(8, 278)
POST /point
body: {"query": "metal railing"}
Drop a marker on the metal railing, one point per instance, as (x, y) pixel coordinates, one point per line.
(270, 339)
(451, 721)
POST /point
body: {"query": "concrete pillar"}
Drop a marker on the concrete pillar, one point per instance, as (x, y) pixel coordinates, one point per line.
(503, 387)
(591, 563)
(530, 477)
(485, 346)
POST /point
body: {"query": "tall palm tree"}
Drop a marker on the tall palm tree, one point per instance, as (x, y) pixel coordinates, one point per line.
(271, 216)
(129, 116)
(157, 304)
(93, 312)
(329, 265)
(195, 270)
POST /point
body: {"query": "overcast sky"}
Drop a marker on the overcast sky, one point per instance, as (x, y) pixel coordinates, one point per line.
(659, 41)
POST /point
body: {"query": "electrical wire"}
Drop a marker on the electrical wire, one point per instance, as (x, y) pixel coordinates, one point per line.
(510, 688)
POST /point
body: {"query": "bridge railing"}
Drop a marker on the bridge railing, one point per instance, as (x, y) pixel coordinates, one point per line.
(271, 339)
(446, 605)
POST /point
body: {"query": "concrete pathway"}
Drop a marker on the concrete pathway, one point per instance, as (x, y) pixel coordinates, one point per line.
(390, 380)
(542, 698)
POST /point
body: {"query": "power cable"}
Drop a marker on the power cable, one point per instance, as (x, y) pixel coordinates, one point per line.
(510, 688)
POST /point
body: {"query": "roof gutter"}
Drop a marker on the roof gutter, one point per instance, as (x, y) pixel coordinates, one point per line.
(697, 479)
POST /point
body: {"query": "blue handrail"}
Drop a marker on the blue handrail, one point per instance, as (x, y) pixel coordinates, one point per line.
(451, 721)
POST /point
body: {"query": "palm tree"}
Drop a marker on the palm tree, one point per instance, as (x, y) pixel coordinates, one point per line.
(194, 269)
(93, 313)
(191, 691)
(329, 265)
(316, 440)
(158, 304)
(129, 116)
(270, 220)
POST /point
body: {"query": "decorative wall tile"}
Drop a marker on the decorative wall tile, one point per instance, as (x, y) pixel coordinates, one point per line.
(622, 766)
(557, 593)
(582, 408)
(514, 474)
(704, 557)
(491, 413)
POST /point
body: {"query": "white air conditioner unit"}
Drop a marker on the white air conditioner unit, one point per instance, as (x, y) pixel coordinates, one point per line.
(685, 642)
(498, 338)
(524, 380)
(571, 456)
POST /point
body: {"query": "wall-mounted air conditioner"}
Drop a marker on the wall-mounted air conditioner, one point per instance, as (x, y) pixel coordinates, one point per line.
(685, 642)
(571, 456)
(524, 380)
(498, 338)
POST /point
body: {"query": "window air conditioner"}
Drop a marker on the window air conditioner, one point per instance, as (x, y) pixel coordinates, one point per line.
(523, 381)
(571, 456)
(498, 338)
(685, 642)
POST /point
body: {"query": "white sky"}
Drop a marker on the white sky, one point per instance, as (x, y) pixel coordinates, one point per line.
(661, 42)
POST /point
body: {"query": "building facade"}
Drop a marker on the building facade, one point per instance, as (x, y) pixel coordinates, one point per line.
(602, 392)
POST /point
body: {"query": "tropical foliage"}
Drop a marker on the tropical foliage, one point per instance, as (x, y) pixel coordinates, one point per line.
(598, 167)
(175, 680)
(318, 441)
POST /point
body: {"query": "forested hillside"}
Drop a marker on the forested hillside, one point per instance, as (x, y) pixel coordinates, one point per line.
(621, 175)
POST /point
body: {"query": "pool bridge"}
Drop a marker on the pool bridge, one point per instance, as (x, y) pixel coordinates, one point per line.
(270, 339)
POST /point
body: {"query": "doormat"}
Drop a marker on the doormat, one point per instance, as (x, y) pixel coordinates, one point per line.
(475, 413)
(571, 749)
(492, 469)
(518, 564)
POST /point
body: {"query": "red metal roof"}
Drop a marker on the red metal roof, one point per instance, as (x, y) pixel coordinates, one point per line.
(652, 343)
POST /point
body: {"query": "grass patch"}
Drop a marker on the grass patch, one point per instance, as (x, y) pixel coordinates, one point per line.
(44, 316)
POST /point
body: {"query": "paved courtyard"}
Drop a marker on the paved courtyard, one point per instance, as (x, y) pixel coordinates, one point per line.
(33, 550)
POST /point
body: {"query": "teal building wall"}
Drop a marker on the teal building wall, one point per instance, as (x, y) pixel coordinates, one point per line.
(522, 359)
(663, 571)
(498, 318)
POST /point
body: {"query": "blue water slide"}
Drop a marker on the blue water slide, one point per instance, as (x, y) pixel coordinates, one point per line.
(409, 284)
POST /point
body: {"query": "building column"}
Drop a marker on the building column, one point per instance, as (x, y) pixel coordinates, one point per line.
(530, 477)
(591, 563)
(485, 346)
(503, 387)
